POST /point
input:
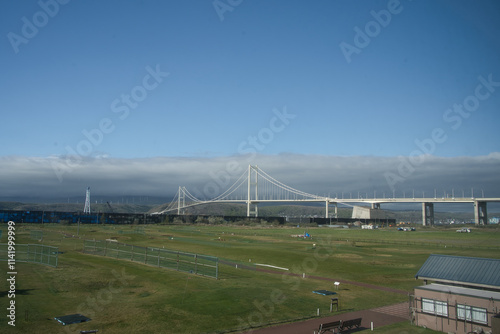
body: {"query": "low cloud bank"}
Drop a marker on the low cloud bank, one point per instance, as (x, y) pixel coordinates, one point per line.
(322, 175)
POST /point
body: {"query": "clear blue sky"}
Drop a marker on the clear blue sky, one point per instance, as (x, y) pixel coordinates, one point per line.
(229, 67)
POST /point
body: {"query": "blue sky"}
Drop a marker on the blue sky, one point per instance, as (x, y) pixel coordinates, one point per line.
(227, 72)
(226, 77)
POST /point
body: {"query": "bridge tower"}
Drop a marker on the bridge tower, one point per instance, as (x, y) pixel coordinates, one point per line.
(253, 178)
(181, 201)
(86, 209)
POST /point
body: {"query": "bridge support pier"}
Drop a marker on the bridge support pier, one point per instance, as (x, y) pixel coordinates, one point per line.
(427, 214)
(480, 213)
(327, 214)
(375, 206)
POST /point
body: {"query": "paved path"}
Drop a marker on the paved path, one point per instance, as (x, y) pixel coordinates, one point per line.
(380, 316)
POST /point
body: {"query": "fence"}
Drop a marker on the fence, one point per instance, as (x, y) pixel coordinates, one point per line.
(186, 262)
(41, 254)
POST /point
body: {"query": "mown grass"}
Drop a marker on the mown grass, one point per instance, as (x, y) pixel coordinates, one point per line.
(124, 296)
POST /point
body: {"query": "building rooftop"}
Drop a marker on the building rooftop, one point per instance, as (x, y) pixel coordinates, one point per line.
(463, 270)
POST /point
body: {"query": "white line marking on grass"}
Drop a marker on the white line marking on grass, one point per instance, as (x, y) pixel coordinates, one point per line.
(268, 265)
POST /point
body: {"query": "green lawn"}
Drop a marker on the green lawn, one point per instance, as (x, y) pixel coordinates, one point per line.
(123, 296)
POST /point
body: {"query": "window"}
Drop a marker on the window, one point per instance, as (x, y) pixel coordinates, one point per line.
(435, 307)
(472, 314)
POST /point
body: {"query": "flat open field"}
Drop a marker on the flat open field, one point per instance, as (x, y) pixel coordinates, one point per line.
(121, 296)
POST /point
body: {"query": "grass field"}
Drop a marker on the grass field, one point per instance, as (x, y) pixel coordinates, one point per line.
(121, 296)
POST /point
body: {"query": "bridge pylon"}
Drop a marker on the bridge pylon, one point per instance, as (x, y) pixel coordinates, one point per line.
(181, 201)
(253, 183)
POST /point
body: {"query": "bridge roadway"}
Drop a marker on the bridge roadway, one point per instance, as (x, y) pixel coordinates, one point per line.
(371, 200)
(480, 204)
(416, 200)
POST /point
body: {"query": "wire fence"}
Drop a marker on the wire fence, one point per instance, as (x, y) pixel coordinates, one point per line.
(198, 264)
(41, 254)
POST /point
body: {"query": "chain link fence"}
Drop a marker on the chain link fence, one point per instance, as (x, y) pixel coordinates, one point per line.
(41, 254)
(186, 262)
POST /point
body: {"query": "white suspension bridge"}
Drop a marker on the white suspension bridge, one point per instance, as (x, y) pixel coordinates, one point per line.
(255, 186)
